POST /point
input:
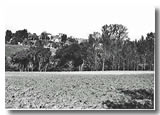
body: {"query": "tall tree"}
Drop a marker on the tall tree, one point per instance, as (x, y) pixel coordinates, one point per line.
(19, 36)
(8, 36)
(150, 50)
(69, 53)
(94, 41)
(113, 36)
(63, 38)
(44, 36)
(142, 51)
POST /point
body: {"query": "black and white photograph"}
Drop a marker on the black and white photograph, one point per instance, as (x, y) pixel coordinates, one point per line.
(80, 56)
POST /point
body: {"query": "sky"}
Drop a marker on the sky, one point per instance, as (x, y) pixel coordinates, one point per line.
(78, 19)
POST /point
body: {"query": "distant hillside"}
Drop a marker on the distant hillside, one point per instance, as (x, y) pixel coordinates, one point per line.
(11, 49)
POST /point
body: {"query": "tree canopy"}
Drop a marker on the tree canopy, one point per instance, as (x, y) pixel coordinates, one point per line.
(110, 50)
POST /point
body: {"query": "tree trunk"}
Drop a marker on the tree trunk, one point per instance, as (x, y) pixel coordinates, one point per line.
(123, 65)
(118, 67)
(20, 67)
(45, 69)
(144, 63)
(150, 66)
(82, 66)
(128, 65)
(137, 67)
(95, 62)
(113, 65)
(39, 66)
(103, 64)
(118, 64)
(134, 66)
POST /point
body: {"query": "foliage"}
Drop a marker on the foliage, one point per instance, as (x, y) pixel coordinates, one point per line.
(35, 58)
(140, 99)
(113, 36)
(19, 36)
(111, 50)
(12, 49)
(69, 53)
(8, 36)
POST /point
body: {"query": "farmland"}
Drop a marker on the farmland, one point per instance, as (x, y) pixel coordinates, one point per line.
(75, 90)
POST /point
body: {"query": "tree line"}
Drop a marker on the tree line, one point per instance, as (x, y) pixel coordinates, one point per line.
(110, 50)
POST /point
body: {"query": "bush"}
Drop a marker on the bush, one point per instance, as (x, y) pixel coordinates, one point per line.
(140, 99)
